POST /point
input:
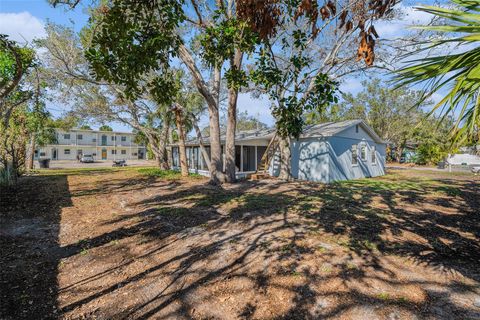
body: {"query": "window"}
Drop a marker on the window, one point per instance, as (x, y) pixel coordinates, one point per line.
(66, 136)
(374, 155)
(114, 138)
(66, 151)
(134, 154)
(42, 154)
(354, 155)
(124, 138)
(94, 154)
(80, 136)
(356, 128)
(114, 151)
(124, 151)
(363, 152)
(94, 140)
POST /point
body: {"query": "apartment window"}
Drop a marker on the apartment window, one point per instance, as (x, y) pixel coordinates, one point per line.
(114, 151)
(66, 136)
(374, 155)
(124, 138)
(80, 136)
(42, 154)
(66, 151)
(363, 152)
(124, 151)
(354, 155)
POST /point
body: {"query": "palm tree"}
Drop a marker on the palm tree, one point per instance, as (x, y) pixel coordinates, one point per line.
(459, 73)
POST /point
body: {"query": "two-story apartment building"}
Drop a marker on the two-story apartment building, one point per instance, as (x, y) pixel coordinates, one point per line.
(102, 145)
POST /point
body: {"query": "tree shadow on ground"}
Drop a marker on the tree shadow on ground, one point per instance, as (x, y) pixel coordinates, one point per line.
(29, 238)
(279, 250)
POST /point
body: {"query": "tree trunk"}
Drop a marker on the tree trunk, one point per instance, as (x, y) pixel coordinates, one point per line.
(398, 153)
(205, 154)
(285, 160)
(216, 164)
(181, 141)
(216, 170)
(230, 136)
(169, 150)
(31, 151)
(158, 148)
(163, 146)
(235, 64)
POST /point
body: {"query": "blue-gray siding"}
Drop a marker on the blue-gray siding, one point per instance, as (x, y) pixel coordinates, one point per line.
(328, 159)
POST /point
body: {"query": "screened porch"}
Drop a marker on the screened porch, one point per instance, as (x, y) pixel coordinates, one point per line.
(247, 158)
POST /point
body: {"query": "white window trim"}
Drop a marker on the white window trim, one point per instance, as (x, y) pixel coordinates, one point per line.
(351, 160)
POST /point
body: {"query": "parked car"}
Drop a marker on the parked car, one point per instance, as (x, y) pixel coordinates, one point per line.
(87, 158)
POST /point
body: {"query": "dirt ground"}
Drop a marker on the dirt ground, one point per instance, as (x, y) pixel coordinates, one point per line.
(109, 244)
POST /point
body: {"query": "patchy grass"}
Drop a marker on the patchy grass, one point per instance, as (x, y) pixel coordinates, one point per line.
(140, 243)
(166, 174)
(87, 170)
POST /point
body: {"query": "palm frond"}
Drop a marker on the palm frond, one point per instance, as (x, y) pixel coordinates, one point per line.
(458, 71)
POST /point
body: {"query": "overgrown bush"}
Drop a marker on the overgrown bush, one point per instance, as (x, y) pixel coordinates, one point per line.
(430, 153)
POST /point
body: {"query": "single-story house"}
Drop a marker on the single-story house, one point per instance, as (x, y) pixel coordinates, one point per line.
(325, 152)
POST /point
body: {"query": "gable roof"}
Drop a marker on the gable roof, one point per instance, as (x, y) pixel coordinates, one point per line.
(239, 136)
(328, 129)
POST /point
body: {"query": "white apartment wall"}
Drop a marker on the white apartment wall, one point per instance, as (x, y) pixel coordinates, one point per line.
(96, 152)
(90, 143)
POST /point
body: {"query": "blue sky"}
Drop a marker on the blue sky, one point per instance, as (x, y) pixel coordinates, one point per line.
(23, 20)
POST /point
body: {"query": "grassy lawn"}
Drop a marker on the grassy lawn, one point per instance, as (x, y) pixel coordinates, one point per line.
(139, 243)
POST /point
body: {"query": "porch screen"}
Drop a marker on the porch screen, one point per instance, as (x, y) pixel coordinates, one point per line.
(248, 158)
(237, 158)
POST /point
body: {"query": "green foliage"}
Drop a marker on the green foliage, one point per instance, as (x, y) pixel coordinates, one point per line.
(105, 128)
(165, 174)
(289, 87)
(430, 153)
(224, 36)
(86, 127)
(8, 64)
(132, 39)
(460, 72)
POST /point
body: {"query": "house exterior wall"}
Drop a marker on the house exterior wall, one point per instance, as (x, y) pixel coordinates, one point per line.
(328, 159)
(340, 159)
(310, 159)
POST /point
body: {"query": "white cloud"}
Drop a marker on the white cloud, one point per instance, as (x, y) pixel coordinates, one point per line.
(398, 27)
(21, 27)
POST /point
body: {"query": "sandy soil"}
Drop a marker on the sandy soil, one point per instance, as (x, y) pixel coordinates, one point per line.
(119, 245)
